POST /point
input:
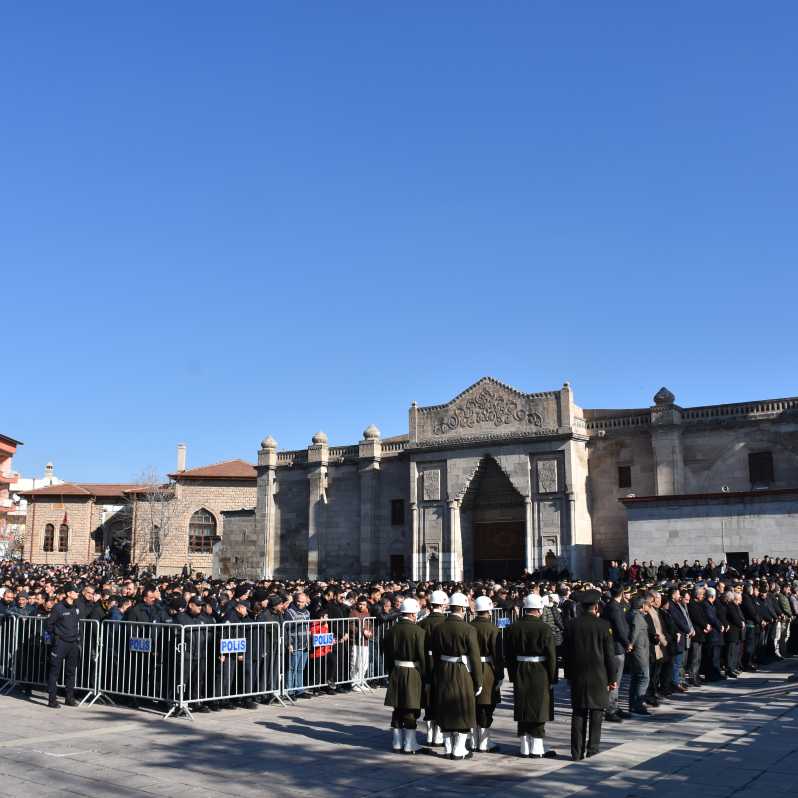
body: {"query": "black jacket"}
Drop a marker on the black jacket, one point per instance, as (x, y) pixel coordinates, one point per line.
(699, 618)
(615, 615)
(63, 623)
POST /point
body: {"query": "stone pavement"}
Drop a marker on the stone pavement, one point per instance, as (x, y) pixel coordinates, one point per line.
(736, 738)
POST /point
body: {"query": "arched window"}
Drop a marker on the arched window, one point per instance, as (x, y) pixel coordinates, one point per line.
(155, 540)
(201, 532)
(63, 538)
(49, 538)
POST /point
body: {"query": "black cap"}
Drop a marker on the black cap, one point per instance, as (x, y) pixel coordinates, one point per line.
(588, 597)
(260, 595)
(70, 587)
(176, 604)
(275, 601)
(197, 600)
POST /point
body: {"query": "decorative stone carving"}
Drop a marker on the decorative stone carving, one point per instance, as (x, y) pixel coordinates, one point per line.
(485, 408)
(547, 476)
(432, 485)
(664, 397)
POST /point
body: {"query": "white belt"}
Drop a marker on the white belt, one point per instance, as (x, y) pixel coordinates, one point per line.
(405, 663)
(531, 659)
(462, 658)
(486, 659)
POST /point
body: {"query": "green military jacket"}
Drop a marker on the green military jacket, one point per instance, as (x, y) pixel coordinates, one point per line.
(530, 636)
(405, 642)
(490, 646)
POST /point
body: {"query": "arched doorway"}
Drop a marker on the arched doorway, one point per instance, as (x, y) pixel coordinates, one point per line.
(498, 519)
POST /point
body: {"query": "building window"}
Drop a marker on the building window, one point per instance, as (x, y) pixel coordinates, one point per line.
(98, 541)
(624, 476)
(154, 546)
(760, 468)
(397, 512)
(63, 538)
(49, 538)
(201, 532)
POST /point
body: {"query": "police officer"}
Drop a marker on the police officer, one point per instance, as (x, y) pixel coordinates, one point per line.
(590, 668)
(438, 601)
(458, 677)
(405, 662)
(490, 653)
(63, 626)
(532, 665)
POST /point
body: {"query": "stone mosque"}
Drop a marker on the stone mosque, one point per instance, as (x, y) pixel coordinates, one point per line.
(497, 481)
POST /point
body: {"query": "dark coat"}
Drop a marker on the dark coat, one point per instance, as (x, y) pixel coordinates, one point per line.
(490, 645)
(589, 661)
(735, 621)
(638, 636)
(615, 615)
(699, 618)
(454, 683)
(531, 637)
(404, 641)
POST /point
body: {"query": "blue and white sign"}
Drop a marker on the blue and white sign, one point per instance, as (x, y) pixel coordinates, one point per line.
(503, 623)
(143, 645)
(233, 645)
(326, 639)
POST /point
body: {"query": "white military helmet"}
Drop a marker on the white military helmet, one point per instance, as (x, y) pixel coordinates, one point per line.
(483, 604)
(408, 607)
(439, 597)
(458, 600)
(533, 602)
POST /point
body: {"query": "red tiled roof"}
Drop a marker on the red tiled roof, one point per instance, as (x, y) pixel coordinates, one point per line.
(9, 439)
(227, 469)
(88, 489)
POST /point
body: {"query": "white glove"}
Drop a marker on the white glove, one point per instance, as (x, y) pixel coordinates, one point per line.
(478, 691)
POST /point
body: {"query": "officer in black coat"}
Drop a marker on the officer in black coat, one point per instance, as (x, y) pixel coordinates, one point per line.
(590, 668)
(615, 614)
(63, 626)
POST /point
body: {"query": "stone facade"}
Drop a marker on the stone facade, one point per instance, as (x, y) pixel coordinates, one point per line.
(496, 481)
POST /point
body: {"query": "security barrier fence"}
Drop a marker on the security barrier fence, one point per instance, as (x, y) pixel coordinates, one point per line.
(178, 668)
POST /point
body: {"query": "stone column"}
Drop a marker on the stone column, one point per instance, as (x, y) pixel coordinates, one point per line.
(455, 553)
(414, 544)
(529, 537)
(666, 442)
(318, 457)
(370, 452)
(264, 509)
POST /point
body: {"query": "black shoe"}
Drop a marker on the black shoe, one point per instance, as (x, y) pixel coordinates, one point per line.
(249, 704)
(623, 714)
(202, 709)
(731, 675)
(70, 702)
(213, 707)
(304, 695)
(641, 710)
(53, 704)
(652, 702)
(469, 755)
(547, 755)
(614, 718)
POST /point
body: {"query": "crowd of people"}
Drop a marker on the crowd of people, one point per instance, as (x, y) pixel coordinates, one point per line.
(671, 627)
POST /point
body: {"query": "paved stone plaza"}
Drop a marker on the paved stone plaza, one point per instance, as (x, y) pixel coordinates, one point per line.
(741, 738)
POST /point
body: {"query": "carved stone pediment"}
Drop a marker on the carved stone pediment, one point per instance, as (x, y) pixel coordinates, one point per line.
(488, 409)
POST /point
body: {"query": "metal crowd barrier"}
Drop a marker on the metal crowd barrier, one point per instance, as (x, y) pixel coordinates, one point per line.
(8, 634)
(376, 669)
(31, 656)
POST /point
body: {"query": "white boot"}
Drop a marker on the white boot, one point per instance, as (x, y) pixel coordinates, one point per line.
(411, 743)
(438, 735)
(473, 739)
(526, 748)
(537, 746)
(397, 740)
(484, 741)
(459, 750)
(447, 743)
(430, 733)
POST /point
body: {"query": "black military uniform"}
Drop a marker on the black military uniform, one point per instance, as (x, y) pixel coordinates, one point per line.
(590, 670)
(63, 627)
(405, 662)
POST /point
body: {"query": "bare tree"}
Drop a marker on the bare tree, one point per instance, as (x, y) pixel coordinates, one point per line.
(155, 516)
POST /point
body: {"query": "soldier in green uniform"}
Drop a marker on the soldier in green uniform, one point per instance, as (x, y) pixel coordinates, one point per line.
(438, 601)
(532, 665)
(458, 676)
(590, 670)
(405, 655)
(491, 655)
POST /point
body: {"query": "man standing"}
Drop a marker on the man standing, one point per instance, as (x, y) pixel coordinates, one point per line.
(702, 628)
(490, 652)
(296, 632)
(640, 656)
(405, 661)
(458, 676)
(591, 666)
(63, 626)
(532, 665)
(615, 615)
(438, 601)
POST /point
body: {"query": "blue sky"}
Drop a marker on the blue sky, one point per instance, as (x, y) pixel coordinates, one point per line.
(219, 221)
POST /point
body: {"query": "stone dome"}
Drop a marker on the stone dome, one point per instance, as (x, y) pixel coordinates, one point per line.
(371, 433)
(664, 397)
(268, 443)
(319, 438)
